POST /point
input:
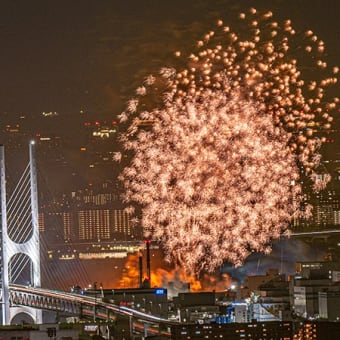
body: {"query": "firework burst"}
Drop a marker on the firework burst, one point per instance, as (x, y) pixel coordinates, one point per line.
(217, 172)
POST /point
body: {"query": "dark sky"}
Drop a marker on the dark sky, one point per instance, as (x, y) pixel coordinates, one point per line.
(90, 55)
(70, 55)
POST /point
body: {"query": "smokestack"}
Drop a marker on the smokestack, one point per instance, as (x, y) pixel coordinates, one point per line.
(148, 267)
(140, 270)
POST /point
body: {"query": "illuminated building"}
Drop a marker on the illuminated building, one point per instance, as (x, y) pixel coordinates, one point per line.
(320, 330)
(149, 300)
(231, 331)
(329, 305)
(67, 224)
(43, 331)
(326, 203)
(99, 199)
(89, 215)
(101, 129)
(94, 224)
(252, 283)
(273, 302)
(196, 307)
(41, 222)
(104, 195)
(327, 209)
(104, 224)
(88, 225)
(121, 222)
(315, 290)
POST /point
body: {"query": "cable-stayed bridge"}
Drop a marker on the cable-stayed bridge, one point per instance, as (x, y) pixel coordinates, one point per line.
(75, 304)
(83, 306)
(21, 290)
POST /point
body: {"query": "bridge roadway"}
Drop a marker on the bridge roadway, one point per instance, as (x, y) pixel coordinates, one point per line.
(77, 304)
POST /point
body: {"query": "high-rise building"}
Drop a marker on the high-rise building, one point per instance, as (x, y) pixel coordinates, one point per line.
(326, 208)
(68, 223)
(121, 222)
(94, 224)
(88, 225)
(315, 290)
(41, 222)
(325, 203)
(91, 214)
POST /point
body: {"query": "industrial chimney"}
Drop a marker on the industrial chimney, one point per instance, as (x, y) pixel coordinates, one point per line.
(148, 262)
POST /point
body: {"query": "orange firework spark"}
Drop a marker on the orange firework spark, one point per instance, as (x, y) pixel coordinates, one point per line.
(218, 173)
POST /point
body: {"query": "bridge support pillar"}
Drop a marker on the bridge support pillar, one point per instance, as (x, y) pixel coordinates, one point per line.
(29, 247)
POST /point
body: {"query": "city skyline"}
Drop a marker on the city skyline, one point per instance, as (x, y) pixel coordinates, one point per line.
(68, 65)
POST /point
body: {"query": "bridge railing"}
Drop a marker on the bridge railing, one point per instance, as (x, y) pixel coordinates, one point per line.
(76, 304)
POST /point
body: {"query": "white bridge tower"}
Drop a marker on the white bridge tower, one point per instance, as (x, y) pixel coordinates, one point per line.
(20, 246)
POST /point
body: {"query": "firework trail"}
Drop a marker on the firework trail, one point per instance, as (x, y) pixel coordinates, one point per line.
(218, 172)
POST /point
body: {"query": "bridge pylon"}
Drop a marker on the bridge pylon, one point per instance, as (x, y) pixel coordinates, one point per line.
(20, 245)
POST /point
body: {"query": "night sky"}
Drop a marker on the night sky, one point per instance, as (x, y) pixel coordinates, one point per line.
(89, 56)
(68, 56)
